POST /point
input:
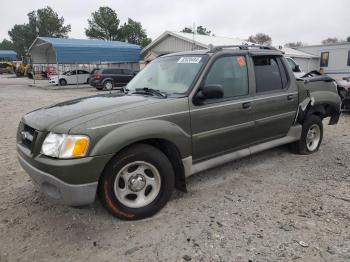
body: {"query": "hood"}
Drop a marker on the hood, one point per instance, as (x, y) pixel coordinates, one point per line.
(46, 118)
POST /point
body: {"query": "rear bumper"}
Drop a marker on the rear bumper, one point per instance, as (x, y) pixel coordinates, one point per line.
(58, 190)
(96, 83)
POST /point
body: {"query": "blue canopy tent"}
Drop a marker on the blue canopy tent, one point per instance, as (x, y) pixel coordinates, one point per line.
(65, 52)
(47, 50)
(8, 55)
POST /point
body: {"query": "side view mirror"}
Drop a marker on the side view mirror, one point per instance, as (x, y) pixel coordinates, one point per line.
(297, 69)
(209, 92)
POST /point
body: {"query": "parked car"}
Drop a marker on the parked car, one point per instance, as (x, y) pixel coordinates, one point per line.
(71, 77)
(182, 114)
(111, 77)
(295, 67)
(344, 92)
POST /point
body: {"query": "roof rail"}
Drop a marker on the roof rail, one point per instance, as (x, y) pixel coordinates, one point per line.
(214, 49)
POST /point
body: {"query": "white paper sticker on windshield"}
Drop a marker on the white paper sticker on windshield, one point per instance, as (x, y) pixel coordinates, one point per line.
(189, 60)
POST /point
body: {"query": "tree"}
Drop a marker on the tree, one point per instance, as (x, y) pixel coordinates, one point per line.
(43, 22)
(348, 39)
(201, 30)
(261, 39)
(187, 30)
(330, 40)
(134, 33)
(104, 24)
(6, 45)
(295, 44)
(21, 37)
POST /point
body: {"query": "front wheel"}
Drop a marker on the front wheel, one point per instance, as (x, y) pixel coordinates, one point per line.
(137, 182)
(311, 136)
(63, 82)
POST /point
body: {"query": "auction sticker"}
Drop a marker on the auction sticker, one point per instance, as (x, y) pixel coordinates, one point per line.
(189, 60)
(241, 61)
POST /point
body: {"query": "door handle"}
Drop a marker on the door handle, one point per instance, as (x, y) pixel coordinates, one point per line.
(290, 97)
(246, 105)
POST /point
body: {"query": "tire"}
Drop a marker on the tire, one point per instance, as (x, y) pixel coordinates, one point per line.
(108, 85)
(130, 194)
(63, 82)
(311, 136)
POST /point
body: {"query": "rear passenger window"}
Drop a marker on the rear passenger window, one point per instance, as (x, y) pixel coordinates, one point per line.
(231, 73)
(112, 71)
(268, 74)
(127, 72)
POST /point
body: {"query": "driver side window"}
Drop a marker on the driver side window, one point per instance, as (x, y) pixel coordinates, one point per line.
(231, 73)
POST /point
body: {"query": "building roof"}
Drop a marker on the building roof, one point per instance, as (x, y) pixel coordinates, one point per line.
(296, 53)
(205, 40)
(326, 45)
(10, 54)
(63, 50)
(199, 40)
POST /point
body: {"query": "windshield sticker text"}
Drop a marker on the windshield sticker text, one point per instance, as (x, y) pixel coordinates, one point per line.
(189, 60)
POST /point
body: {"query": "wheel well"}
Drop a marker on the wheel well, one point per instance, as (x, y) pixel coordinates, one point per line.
(174, 156)
(322, 111)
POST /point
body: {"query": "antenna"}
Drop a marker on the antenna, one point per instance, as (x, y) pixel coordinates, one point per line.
(194, 32)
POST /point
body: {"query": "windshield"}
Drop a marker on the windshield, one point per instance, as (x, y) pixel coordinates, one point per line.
(170, 75)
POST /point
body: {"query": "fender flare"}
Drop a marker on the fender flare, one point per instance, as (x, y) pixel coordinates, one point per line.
(134, 132)
(323, 103)
(107, 79)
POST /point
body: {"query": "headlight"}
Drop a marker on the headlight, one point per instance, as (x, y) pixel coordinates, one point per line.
(65, 146)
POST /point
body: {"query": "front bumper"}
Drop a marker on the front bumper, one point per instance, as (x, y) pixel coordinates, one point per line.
(58, 190)
(53, 81)
(71, 181)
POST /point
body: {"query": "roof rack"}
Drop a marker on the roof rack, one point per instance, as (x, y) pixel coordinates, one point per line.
(214, 49)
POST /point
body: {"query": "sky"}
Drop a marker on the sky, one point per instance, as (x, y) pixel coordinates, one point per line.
(309, 21)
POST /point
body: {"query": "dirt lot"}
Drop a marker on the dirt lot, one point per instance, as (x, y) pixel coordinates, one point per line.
(274, 206)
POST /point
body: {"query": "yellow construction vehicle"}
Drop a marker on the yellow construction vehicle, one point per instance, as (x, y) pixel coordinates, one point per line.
(7, 67)
(24, 67)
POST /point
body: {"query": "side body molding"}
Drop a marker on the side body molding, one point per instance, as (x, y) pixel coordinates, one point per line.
(293, 135)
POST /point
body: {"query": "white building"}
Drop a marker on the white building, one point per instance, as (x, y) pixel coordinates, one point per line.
(171, 42)
(307, 62)
(334, 59)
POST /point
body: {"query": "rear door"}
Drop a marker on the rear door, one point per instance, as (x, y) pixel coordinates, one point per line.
(128, 75)
(117, 76)
(223, 125)
(276, 97)
(83, 76)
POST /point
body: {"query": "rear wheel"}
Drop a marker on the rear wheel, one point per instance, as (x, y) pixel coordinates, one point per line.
(63, 82)
(311, 136)
(137, 182)
(108, 85)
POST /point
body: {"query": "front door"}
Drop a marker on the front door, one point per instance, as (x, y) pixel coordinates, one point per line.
(223, 125)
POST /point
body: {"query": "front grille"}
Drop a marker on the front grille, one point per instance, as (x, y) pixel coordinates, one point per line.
(27, 136)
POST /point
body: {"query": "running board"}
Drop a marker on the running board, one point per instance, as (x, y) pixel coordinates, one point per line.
(293, 135)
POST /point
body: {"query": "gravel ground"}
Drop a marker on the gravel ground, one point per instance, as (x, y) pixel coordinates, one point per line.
(274, 206)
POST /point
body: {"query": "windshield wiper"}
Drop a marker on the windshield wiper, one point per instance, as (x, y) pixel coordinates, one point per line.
(151, 91)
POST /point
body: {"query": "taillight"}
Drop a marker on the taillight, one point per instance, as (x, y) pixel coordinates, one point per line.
(97, 77)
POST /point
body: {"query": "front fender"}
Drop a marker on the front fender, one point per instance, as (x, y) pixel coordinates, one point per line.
(128, 134)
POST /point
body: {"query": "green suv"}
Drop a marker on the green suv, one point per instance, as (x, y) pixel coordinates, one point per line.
(182, 114)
